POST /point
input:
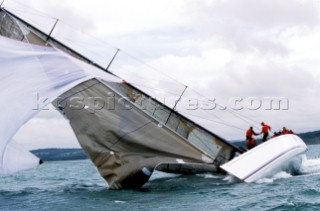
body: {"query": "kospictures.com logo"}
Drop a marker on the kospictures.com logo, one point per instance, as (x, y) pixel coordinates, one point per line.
(112, 102)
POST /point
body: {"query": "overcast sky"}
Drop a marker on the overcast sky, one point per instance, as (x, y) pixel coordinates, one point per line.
(224, 49)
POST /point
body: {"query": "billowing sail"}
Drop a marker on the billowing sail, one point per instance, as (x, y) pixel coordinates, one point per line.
(126, 133)
(30, 78)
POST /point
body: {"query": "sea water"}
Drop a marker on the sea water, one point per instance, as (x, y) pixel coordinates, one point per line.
(76, 185)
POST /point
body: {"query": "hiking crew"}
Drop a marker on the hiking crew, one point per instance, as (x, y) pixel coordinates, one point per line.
(251, 142)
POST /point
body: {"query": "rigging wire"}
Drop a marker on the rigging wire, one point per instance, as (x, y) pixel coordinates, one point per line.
(153, 68)
(210, 120)
(229, 110)
(82, 43)
(128, 54)
(243, 117)
(152, 80)
(40, 13)
(31, 13)
(76, 29)
(160, 72)
(157, 89)
(128, 72)
(122, 52)
(90, 35)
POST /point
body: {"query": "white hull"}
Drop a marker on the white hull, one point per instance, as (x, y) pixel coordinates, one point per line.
(267, 158)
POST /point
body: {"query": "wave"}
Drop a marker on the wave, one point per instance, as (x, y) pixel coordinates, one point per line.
(279, 175)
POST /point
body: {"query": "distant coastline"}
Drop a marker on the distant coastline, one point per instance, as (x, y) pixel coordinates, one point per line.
(59, 154)
(311, 138)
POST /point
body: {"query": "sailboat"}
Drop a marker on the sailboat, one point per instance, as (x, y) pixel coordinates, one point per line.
(125, 132)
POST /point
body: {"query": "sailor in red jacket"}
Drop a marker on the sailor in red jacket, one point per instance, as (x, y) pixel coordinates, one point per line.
(265, 131)
(249, 138)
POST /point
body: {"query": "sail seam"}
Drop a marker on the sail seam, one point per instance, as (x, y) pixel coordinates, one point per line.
(142, 126)
(78, 92)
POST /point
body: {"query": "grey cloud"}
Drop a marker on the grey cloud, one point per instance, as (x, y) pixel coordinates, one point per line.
(250, 30)
(35, 134)
(271, 13)
(152, 44)
(264, 80)
(70, 14)
(45, 11)
(249, 25)
(260, 45)
(259, 14)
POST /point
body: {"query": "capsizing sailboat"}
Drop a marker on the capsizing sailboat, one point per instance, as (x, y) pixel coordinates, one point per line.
(123, 129)
(125, 132)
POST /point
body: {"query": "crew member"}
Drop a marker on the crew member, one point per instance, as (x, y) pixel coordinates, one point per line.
(249, 138)
(275, 134)
(250, 133)
(291, 132)
(265, 131)
(284, 131)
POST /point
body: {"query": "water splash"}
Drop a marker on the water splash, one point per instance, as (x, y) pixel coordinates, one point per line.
(303, 166)
(230, 179)
(121, 202)
(209, 176)
(279, 175)
(310, 166)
